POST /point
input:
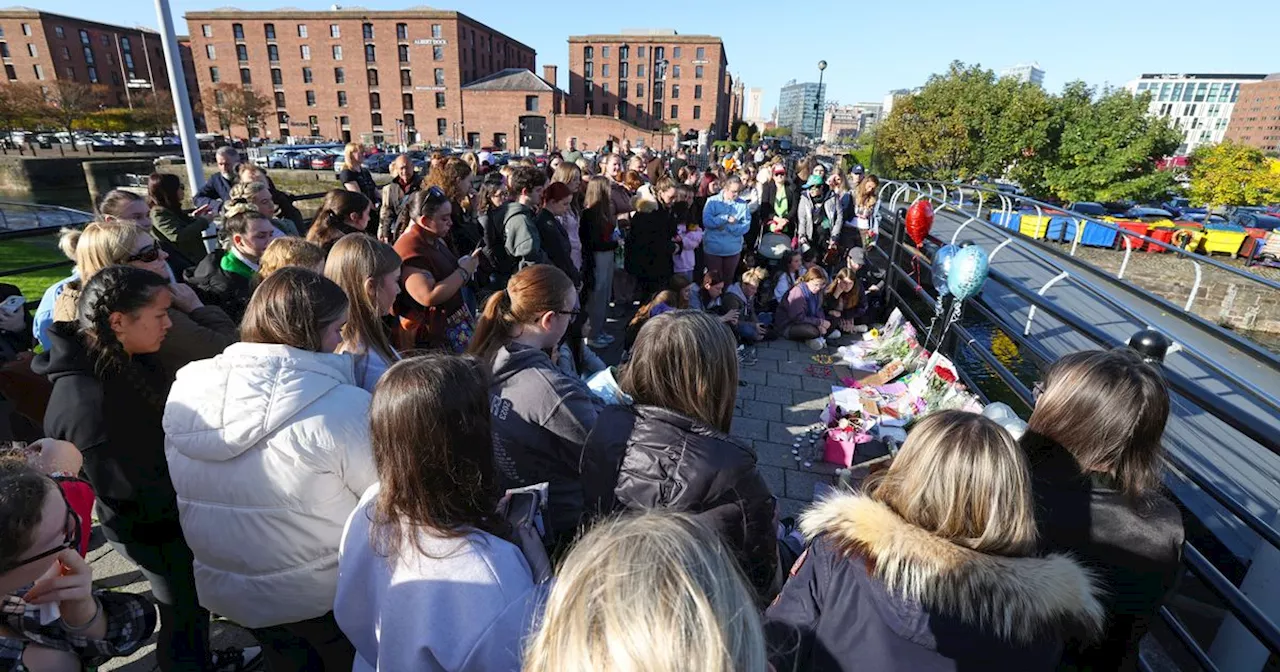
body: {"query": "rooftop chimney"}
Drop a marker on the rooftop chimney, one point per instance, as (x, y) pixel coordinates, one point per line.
(549, 74)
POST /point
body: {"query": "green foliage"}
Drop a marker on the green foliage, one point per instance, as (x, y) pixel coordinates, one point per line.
(1232, 174)
(71, 102)
(755, 137)
(743, 135)
(857, 157)
(728, 145)
(778, 132)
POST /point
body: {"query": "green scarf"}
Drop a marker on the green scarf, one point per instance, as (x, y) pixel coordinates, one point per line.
(780, 203)
(232, 264)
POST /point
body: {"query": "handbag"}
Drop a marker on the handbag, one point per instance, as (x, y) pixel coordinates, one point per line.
(432, 327)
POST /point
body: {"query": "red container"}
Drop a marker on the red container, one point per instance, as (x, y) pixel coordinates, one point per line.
(1131, 226)
(1164, 235)
(1254, 238)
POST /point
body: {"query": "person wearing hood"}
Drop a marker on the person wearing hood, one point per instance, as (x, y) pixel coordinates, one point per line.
(933, 567)
(225, 277)
(651, 241)
(108, 397)
(268, 448)
(726, 220)
(541, 417)
(818, 213)
(671, 449)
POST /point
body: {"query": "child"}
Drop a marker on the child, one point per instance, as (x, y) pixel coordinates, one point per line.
(688, 232)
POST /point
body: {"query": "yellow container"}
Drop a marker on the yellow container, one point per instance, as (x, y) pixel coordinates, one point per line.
(1218, 240)
(1161, 224)
(1035, 226)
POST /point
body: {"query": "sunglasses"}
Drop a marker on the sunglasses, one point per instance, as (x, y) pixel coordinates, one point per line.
(71, 532)
(147, 254)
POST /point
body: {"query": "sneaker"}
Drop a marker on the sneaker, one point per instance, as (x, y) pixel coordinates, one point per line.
(237, 660)
(835, 333)
(750, 357)
(816, 343)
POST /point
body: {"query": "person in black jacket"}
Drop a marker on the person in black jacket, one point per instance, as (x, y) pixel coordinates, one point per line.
(779, 203)
(599, 224)
(651, 245)
(933, 567)
(1094, 446)
(225, 277)
(554, 237)
(109, 394)
(671, 448)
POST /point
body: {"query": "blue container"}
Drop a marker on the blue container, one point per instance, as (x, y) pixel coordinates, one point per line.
(1226, 226)
(1014, 220)
(1062, 229)
(1095, 235)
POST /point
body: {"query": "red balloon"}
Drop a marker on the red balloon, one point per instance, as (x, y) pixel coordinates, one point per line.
(919, 221)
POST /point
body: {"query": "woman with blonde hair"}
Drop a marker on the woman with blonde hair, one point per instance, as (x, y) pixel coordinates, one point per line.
(290, 251)
(570, 175)
(404, 181)
(864, 200)
(937, 563)
(799, 315)
(657, 592)
(258, 194)
(368, 270)
(671, 448)
(354, 176)
(284, 210)
(1094, 444)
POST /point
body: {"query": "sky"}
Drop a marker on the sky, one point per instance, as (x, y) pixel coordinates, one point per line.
(870, 47)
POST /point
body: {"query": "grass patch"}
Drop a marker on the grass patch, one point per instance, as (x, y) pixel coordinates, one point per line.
(28, 252)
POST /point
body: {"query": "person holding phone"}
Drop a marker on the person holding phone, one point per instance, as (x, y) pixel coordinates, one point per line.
(431, 308)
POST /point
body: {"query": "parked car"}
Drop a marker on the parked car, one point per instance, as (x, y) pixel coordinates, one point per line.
(379, 163)
(1252, 220)
(301, 160)
(280, 159)
(1145, 214)
(324, 161)
(1088, 209)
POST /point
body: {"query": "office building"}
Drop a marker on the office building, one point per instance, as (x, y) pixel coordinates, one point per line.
(652, 79)
(1199, 105)
(842, 123)
(1025, 73)
(798, 108)
(352, 74)
(42, 47)
(1255, 117)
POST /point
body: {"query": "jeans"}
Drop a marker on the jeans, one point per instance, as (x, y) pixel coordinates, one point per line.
(313, 645)
(598, 306)
(182, 642)
(725, 266)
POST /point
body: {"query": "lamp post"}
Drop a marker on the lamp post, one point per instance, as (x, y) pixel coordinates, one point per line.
(338, 127)
(817, 103)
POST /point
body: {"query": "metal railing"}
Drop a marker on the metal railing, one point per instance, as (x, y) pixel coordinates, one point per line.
(892, 249)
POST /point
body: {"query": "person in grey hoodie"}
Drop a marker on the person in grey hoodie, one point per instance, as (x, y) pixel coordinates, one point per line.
(427, 579)
(521, 241)
(541, 417)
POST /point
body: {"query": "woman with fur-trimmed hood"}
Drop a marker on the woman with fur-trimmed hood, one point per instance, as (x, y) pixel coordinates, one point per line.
(933, 566)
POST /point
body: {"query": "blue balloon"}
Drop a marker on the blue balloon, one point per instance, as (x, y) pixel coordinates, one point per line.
(968, 272)
(942, 267)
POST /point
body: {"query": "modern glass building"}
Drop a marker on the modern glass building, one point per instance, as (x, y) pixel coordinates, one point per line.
(800, 108)
(1199, 105)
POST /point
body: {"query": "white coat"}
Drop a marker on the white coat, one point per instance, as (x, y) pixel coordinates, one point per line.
(268, 449)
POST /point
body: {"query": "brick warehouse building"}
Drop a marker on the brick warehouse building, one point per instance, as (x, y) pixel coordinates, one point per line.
(351, 73)
(652, 78)
(42, 47)
(1255, 119)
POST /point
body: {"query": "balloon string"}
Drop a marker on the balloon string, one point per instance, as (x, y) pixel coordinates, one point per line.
(957, 306)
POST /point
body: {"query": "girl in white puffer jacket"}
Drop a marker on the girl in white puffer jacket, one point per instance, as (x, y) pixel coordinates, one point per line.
(268, 449)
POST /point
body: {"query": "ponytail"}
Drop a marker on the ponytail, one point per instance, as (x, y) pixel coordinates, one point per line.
(116, 289)
(530, 294)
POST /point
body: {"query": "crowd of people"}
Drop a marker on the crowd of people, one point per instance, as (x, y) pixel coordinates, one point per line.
(317, 430)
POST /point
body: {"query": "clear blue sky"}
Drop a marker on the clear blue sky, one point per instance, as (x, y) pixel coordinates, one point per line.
(870, 47)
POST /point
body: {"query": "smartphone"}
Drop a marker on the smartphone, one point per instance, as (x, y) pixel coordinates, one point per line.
(13, 304)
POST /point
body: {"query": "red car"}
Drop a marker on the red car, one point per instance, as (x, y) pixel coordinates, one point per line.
(323, 162)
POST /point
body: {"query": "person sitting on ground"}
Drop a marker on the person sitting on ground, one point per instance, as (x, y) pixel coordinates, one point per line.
(287, 215)
(845, 303)
(936, 562)
(225, 277)
(259, 194)
(541, 416)
(790, 270)
(368, 270)
(675, 297)
(659, 592)
(427, 578)
(552, 234)
(39, 556)
(183, 228)
(709, 297)
(273, 434)
(740, 297)
(671, 449)
(799, 315)
(430, 307)
(871, 281)
(1094, 445)
(290, 251)
(404, 181)
(342, 212)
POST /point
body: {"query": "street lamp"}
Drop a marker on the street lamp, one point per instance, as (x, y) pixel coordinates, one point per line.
(336, 125)
(817, 102)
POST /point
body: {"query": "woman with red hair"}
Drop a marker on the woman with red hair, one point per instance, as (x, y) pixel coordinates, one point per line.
(556, 199)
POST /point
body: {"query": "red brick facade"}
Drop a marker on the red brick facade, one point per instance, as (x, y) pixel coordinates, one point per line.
(407, 66)
(43, 47)
(1255, 119)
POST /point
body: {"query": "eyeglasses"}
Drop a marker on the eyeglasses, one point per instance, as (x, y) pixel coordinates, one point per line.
(147, 254)
(1037, 390)
(575, 312)
(71, 531)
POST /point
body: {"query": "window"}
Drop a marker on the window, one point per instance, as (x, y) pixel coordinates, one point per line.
(624, 52)
(344, 121)
(436, 32)
(93, 75)
(39, 70)
(402, 52)
(640, 52)
(701, 56)
(4, 50)
(406, 101)
(604, 52)
(88, 55)
(375, 101)
(105, 40)
(604, 108)
(697, 92)
(622, 89)
(277, 77)
(334, 30)
(372, 75)
(214, 76)
(209, 52)
(406, 78)
(437, 53)
(270, 30)
(302, 30)
(306, 76)
(440, 103)
(370, 53)
(439, 76)
(402, 31)
(639, 90)
(367, 30)
(605, 87)
(12, 73)
(339, 76)
(342, 99)
(408, 121)
(697, 111)
(639, 71)
(604, 70)
(245, 77)
(622, 109)
(675, 90)
(282, 118)
(273, 53)
(71, 74)
(26, 29)
(588, 70)
(219, 98)
(624, 70)
(84, 37)
(675, 72)
(697, 72)
(530, 103)
(588, 53)
(337, 52)
(442, 127)
(237, 30)
(279, 98)
(311, 99)
(31, 50)
(376, 118)
(206, 30)
(306, 52)
(242, 52)
(675, 53)
(675, 111)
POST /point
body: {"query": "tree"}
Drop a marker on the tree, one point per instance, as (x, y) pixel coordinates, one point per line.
(70, 102)
(777, 132)
(242, 104)
(22, 105)
(743, 134)
(1232, 174)
(154, 112)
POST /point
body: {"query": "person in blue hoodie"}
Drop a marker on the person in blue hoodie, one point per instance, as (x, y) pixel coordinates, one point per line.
(726, 219)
